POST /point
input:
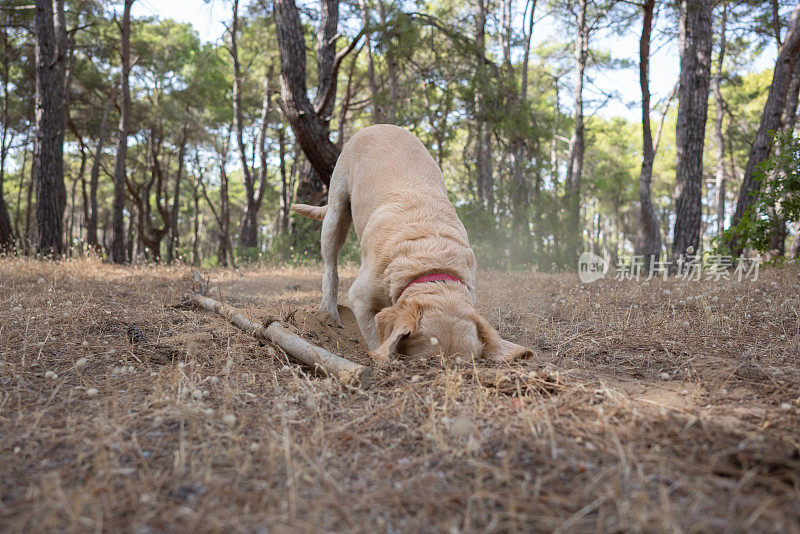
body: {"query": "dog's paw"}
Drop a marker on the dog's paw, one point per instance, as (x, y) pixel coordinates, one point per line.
(329, 317)
(381, 359)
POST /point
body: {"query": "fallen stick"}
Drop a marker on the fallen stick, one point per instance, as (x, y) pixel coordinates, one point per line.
(344, 370)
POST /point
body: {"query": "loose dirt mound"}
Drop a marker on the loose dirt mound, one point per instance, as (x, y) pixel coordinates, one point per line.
(659, 406)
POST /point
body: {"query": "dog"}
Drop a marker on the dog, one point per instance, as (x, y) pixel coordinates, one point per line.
(415, 289)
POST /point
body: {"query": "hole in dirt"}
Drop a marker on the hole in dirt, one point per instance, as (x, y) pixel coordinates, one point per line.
(513, 383)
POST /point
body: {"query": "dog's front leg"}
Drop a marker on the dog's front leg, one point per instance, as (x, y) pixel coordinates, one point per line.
(365, 303)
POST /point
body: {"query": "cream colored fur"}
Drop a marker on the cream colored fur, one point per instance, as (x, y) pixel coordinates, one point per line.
(390, 188)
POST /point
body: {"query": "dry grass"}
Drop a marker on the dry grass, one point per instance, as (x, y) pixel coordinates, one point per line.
(644, 410)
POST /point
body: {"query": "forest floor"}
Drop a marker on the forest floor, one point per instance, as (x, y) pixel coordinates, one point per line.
(659, 406)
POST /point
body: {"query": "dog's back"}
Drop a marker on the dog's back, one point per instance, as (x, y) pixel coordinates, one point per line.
(384, 166)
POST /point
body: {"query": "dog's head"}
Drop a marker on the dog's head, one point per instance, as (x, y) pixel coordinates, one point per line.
(440, 319)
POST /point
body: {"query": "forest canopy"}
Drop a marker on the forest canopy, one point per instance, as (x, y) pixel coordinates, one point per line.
(141, 138)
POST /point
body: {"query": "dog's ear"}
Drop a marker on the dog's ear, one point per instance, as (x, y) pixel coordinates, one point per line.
(496, 348)
(395, 323)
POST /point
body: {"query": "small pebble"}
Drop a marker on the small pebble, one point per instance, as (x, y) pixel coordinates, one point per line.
(415, 378)
(92, 392)
(229, 420)
(50, 374)
(434, 341)
(462, 426)
(85, 343)
(664, 376)
(197, 394)
(785, 406)
(41, 280)
(80, 362)
(68, 303)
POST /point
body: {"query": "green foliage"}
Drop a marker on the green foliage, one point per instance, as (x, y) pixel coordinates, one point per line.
(779, 197)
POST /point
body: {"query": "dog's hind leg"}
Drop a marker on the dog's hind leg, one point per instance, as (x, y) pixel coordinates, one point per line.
(334, 233)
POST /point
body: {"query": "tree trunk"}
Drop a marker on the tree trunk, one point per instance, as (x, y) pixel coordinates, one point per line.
(225, 253)
(391, 71)
(91, 224)
(51, 112)
(648, 238)
(577, 142)
(120, 171)
(18, 215)
(80, 178)
(28, 241)
(174, 234)
(284, 184)
(695, 29)
(6, 231)
(225, 248)
(196, 231)
(310, 127)
(521, 195)
(721, 178)
(377, 112)
(483, 136)
(778, 232)
(770, 121)
(248, 237)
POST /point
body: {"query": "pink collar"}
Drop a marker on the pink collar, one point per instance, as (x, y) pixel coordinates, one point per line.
(433, 277)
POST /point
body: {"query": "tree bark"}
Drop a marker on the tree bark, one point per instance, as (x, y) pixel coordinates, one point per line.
(770, 121)
(94, 176)
(196, 223)
(6, 230)
(120, 171)
(225, 248)
(377, 112)
(577, 142)
(225, 254)
(51, 194)
(284, 184)
(18, 214)
(695, 28)
(248, 237)
(483, 135)
(391, 71)
(649, 237)
(174, 234)
(521, 195)
(310, 127)
(721, 177)
(778, 232)
(151, 236)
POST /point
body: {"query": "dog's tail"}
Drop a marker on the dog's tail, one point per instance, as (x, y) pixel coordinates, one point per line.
(312, 212)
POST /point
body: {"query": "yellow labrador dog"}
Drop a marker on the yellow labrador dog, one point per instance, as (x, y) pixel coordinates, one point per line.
(415, 290)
